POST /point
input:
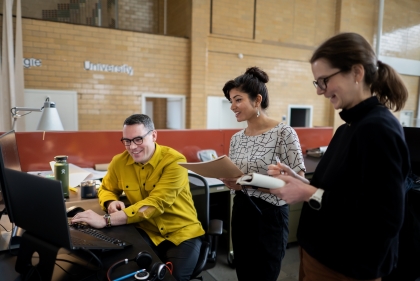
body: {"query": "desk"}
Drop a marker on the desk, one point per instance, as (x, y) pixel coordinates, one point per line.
(124, 232)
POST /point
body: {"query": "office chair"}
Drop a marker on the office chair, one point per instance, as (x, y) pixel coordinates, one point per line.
(201, 194)
(206, 155)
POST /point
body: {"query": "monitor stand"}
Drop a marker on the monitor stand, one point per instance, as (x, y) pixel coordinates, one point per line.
(47, 256)
(9, 240)
(4, 240)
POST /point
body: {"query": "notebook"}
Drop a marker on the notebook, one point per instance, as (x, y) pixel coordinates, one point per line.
(39, 208)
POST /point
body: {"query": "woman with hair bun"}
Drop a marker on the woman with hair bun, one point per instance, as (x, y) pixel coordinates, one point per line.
(353, 211)
(259, 219)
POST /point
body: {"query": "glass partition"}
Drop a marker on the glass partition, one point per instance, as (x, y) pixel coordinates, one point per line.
(147, 16)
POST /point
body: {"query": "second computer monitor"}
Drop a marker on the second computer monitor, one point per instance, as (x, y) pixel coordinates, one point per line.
(9, 158)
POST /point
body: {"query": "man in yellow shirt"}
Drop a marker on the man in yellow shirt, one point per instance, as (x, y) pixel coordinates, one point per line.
(157, 188)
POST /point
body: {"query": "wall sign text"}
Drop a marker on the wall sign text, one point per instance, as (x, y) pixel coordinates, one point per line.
(28, 63)
(109, 68)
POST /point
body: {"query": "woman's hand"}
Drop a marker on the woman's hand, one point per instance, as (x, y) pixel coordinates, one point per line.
(294, 190)
(283, 169)
(231, 183)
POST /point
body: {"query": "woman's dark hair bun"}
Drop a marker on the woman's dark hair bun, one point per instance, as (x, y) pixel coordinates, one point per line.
(257, 73)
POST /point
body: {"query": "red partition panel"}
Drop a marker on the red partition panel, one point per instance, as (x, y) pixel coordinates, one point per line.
(87, 148)
(314, 137)
(189, 142)
(84, 148)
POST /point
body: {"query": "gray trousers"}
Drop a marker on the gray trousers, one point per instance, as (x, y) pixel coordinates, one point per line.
(183, 257)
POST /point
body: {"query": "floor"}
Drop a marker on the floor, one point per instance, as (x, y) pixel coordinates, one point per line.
(223, 272)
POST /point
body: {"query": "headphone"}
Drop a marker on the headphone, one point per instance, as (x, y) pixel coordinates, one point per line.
(143, 259)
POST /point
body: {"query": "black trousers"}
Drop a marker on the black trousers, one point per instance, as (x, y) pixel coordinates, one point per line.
(183, 257)
(259, 240)
(408, 266)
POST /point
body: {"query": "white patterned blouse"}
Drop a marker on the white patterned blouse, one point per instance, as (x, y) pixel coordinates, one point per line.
(253, 154)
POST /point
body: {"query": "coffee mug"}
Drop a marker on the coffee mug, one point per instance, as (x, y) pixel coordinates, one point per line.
(88, 189)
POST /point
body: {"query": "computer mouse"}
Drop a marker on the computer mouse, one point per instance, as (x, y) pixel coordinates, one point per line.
(73, 210)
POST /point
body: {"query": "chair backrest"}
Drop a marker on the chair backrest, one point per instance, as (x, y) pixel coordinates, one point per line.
(200, 193)
(206, 155)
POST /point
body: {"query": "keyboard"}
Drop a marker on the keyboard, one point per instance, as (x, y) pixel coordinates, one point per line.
(85, 228)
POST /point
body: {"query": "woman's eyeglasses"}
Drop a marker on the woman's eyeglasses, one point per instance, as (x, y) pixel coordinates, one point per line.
(322, 82)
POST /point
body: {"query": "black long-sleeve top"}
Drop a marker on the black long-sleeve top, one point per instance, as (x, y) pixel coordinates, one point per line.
(362, 172)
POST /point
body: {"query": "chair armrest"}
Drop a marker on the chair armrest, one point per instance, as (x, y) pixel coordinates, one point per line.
(215, 227)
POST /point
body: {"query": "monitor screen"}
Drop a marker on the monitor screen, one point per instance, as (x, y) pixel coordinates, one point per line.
(412, 138)
(10, 151)
(9, 158)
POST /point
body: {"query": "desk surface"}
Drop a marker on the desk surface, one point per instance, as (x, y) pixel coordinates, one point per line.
(124, 232)
(310, 163)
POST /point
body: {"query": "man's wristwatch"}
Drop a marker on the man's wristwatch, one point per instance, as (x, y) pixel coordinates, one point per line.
(316, 199)
(107, 218)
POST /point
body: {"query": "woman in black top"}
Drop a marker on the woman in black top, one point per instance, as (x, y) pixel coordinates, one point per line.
(350, 222)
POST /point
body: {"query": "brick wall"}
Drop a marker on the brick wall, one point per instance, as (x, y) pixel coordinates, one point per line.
(286, 34)
(138, 15)
(104, 99)
(277, 35)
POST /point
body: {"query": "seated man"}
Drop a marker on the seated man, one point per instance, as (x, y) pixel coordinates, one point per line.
(161, 203)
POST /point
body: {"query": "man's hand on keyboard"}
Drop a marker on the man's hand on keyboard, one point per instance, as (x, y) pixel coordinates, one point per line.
(98, 221)
(115, 206)
(91, 218)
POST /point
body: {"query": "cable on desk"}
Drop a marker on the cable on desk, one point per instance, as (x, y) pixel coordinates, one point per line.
(108, 273)
(78, 264)
(169, 266)
(5, 228)
(30, 272)
(95, 272)
(62, 268)
(95, 257)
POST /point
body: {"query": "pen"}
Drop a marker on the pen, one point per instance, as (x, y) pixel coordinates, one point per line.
(278, 161)
(304, 180)
(129, 275)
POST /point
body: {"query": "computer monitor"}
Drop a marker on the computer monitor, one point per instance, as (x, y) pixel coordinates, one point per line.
(412, 138)
(9, 158)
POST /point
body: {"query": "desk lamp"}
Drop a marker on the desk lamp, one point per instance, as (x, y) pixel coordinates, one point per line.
(50, 120)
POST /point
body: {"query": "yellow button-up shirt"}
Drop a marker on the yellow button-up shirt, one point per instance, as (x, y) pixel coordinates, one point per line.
(160, 183)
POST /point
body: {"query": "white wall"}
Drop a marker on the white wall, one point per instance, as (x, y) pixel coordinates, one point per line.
(219, 115)
(65, 102)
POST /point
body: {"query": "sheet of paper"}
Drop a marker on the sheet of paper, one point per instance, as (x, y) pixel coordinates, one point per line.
(95, 174)
(77, 174)
(259, 180)
(211, 181)
(221, 167)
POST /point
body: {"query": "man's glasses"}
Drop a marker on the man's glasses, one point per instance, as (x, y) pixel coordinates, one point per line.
(322, 82)
(136, 140)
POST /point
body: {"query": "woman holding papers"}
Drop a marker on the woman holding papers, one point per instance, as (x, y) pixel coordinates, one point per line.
(259, 219)
(349, 227)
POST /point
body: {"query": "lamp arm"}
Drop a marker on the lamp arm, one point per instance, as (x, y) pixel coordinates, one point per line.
(16, 109)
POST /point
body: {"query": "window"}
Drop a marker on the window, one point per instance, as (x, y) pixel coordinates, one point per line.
(300, 116)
